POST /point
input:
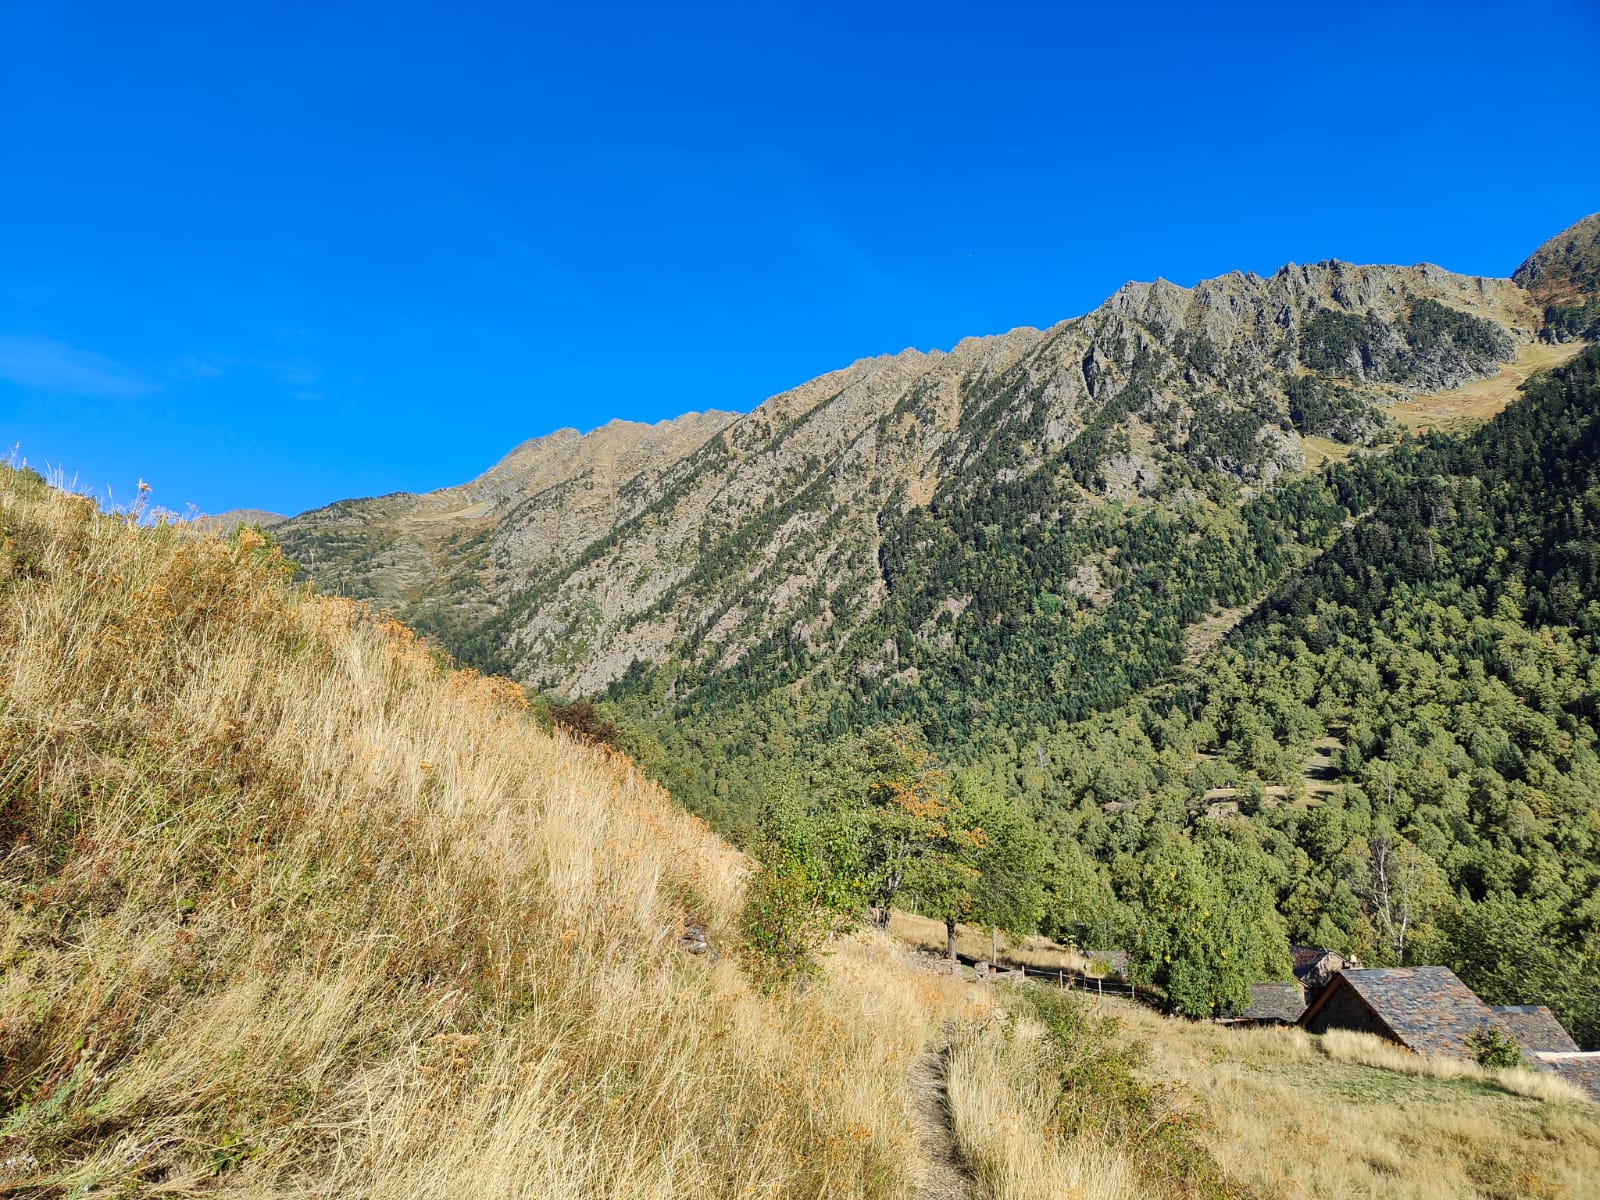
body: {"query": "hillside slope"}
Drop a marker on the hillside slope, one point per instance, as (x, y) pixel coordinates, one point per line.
(291, 909)
(1564, 276)
(1428, 687)
(435, 559)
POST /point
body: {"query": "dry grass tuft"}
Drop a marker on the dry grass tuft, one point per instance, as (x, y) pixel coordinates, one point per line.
(1297, 1115)
(1539, 1085)
(1002, 1090)
(290, 908)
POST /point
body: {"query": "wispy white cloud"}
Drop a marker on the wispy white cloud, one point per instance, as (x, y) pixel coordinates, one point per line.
(65, 370)
(298, 377)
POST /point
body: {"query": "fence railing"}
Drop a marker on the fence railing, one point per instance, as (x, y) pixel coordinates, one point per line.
(1094, 985)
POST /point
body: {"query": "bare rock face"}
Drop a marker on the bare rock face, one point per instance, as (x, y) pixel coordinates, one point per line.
(705, 537)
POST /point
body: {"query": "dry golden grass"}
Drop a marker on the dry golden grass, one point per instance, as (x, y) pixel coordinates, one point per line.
(1466, 407)
(1320, 451)
(291, 909)
(924, 933)
(1001, 1105)
(1300, 1116)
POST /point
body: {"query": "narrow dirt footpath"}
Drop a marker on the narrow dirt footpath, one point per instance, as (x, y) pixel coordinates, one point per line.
(944, 1178)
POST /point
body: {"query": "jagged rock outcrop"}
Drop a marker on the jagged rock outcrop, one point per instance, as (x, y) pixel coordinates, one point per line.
(700, 538)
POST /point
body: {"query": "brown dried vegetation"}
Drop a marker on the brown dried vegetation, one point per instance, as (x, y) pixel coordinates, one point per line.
(292, 908)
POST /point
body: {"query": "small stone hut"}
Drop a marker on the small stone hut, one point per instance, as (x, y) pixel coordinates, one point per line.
(1270, 1004)
(1425, 1009)
(1315, 967)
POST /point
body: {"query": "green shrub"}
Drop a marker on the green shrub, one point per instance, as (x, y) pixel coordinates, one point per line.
(779, 928)
(1105, 1097)
(1493, 1047)
(807, 889)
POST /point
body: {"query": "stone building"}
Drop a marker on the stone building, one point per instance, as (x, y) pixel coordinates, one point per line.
(1271, 1004)
(1425, 1009)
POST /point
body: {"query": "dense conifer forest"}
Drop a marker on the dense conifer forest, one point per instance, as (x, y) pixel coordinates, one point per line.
(1397, 739)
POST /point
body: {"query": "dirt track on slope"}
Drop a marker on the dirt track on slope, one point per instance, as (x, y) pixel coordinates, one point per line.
(944, 1177)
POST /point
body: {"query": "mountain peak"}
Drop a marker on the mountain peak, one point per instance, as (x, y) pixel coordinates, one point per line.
(1567, 265)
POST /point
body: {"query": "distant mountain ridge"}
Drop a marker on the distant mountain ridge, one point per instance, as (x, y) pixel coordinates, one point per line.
(700, 539)
(224, 522)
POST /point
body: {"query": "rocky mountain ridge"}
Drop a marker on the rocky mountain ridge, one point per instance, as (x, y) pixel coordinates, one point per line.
(700, 539)
(224, 521)
(1564, 276)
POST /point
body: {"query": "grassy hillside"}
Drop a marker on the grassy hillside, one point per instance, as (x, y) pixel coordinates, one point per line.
(1276, 1112)
(1351, 1115)
(291, 909)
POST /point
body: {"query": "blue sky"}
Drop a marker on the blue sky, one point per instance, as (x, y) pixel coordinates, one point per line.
(273, 255)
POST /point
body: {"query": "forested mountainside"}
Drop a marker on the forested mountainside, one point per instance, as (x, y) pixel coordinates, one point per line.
(718, 542)
(1090, 568)
(1408, 721)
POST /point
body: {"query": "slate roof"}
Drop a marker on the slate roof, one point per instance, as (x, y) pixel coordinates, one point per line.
(1274, 1002)
(1535, 1027)
(1314, 966)
(1427, 1009)
(1304, 957)
(1581, 1069)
